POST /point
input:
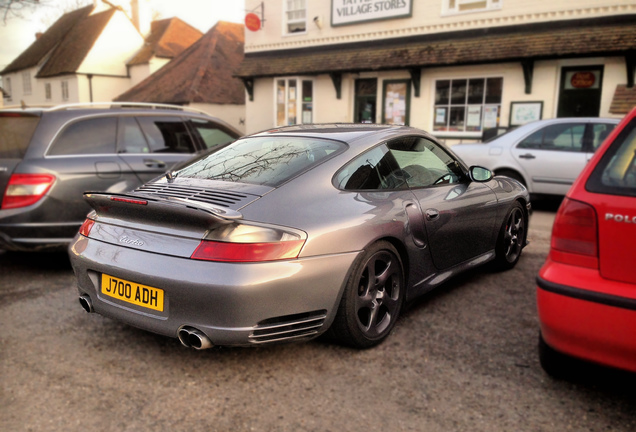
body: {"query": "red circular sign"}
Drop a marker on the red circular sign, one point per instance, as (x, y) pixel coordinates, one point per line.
(583, 80)
(252, 22)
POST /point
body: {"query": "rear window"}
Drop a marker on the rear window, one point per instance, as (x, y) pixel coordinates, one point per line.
(615, 174)
(15, 134)
(267, 161)
(92, 136)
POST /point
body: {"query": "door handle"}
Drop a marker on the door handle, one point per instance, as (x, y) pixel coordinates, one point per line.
(151, 163)
(527, 156)
(432, 214)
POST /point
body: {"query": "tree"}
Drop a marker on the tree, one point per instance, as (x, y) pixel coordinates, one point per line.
(16, 8)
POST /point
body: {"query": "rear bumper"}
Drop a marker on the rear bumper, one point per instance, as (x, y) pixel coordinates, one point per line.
(37, 236)
(594, 320)
(233, 304)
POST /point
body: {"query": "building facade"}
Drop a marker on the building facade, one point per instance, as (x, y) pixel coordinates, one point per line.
(456, 68)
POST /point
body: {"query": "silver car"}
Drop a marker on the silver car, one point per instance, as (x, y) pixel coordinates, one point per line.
(293, 232)
(545, 155)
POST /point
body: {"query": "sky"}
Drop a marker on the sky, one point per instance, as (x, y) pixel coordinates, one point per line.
(18, 33)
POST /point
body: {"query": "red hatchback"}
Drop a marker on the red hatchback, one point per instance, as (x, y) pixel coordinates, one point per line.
(586, 294)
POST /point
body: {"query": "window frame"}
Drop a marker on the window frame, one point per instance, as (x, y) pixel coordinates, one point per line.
(7, 88)
(64, 86)
(27, 88)
(447, 107)
(452, 7)
(299, 100)
(286, 21)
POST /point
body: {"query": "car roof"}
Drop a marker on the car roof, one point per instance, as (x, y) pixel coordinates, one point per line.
(346, 132)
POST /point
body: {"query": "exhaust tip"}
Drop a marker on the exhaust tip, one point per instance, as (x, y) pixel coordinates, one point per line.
(193, 338)
(86, 303)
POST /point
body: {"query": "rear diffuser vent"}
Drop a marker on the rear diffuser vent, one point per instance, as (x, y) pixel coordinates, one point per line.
(221, 198)
(288, 327)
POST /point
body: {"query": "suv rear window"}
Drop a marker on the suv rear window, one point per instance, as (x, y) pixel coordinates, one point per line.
(615, 173)
(15, 134)
(92, 136)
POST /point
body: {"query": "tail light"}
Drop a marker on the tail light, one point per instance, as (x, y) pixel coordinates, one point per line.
(26, 189)
(575, 235)
(249, 243)
(86, 227)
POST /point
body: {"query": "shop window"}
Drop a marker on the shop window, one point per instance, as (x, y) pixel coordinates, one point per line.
(468, 6)
(467, 105)
(26, 83)
(7, 88)
(64, 85)
(295, 16)
(396, 101)
(47, 91)
(294, 101)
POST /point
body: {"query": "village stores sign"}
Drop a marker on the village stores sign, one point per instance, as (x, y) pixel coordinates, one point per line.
(345, 12)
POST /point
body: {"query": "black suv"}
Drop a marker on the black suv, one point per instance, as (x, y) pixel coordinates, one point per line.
(49, 157)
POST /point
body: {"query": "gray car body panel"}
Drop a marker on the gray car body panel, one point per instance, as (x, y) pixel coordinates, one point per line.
(229, 301)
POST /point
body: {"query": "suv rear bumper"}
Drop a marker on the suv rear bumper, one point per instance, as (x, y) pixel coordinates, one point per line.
(34, 237)
(591, 321)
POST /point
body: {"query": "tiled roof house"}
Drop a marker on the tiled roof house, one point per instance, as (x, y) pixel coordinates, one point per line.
(91, 54)
(201, 77)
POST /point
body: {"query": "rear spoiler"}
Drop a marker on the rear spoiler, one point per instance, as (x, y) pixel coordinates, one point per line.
(144, 209)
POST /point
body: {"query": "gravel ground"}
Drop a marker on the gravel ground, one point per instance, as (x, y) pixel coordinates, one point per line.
(461, 359)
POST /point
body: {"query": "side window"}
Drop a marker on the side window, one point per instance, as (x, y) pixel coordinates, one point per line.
(615, 173)
(424, 163)
(131, 138)
(374, 170)
(561, 137)
(167, 135)
(93, 136)
(210, 133)
(600, 131)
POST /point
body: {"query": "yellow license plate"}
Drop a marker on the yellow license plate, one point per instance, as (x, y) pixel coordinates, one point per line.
(131, 292)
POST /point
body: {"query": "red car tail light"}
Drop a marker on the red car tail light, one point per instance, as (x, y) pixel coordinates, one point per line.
(249, 243)
(86, 227)
(26, 189)
(575, 235)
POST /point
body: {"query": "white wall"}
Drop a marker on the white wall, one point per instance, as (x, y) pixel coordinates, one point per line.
(427, 18)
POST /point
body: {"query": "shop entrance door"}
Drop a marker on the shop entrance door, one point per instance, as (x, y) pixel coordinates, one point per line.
(365, 101)
(580, 91)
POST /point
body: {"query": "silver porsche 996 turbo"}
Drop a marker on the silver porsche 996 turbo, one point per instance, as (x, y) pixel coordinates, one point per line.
(295, 232)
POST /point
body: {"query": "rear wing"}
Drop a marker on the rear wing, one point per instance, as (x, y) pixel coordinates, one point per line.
(139, 208)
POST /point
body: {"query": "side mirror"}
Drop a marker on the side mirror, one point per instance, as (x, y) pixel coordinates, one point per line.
(480, 174)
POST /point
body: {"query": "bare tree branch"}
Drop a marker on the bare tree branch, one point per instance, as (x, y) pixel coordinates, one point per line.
(15, 8)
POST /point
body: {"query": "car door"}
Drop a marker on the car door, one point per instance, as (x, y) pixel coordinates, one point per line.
(552, 156)
(151, 145)
(459, 216)
(83, 158)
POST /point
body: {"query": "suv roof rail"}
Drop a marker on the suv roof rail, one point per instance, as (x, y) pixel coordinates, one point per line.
(125, 105)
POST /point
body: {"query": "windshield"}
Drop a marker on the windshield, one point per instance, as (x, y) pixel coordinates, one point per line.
(267, 161)
(15, 134)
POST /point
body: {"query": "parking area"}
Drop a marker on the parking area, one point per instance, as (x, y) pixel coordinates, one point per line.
(461, 359)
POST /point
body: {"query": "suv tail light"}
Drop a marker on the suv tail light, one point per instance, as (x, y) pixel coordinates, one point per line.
(249, 243)
(575, 235)
(26, 189)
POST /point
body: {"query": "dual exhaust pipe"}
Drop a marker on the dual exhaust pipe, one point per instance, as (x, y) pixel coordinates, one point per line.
(188, 336)
(193, 338)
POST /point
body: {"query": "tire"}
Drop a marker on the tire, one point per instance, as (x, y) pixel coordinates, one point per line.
(513, 175)
(553, 362)
(372, 298)
(511, 239)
